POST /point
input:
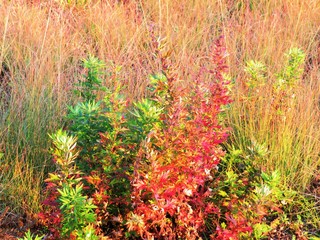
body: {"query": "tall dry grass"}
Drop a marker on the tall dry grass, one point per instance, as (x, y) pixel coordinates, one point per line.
(264, 32)
(43, 42)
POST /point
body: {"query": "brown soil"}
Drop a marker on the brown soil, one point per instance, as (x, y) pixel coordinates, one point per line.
(13, 226)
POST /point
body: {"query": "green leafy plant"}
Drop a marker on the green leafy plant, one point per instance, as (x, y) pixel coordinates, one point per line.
(105, 157)
(77, 212)
(92, 83)
(29, 236)
(252, 199)
(68, 210)
(257, 72)
(86, 121)
(260, 230)
(292, 70)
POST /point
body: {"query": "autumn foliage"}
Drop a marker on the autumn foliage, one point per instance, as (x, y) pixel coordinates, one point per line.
(170, 191)
(146, 170)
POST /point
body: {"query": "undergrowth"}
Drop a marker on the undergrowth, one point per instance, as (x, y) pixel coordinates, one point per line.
(156, 168)
(141, 158)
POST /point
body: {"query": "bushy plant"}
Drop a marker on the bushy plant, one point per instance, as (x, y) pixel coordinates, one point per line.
(69, 213)
(177, 161)
(87, 119)
(76, 210)
(292, 70)
(102, 165)
(92, 83)
(153, 169)
(152, 161)
(29, 236)
(253, 204)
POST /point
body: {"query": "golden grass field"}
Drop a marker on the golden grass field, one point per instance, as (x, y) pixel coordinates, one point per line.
(43, 42)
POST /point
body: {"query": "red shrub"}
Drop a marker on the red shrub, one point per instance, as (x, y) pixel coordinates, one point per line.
(170, 191)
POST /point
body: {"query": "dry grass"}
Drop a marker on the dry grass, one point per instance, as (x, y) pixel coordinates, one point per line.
(265, 33)
(42, 44)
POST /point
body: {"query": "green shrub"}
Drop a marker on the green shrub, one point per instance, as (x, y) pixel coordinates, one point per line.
(77, 212)
(29, 236)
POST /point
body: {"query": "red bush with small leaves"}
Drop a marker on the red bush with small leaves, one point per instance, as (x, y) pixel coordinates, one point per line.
(171, 190)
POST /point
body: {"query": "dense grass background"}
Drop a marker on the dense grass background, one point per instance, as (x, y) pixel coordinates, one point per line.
(42, 44)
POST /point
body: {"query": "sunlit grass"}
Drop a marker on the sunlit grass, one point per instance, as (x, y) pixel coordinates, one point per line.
(42, 45)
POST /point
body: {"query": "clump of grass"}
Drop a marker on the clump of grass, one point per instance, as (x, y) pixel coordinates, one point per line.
(33, 104)
(273, 117)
